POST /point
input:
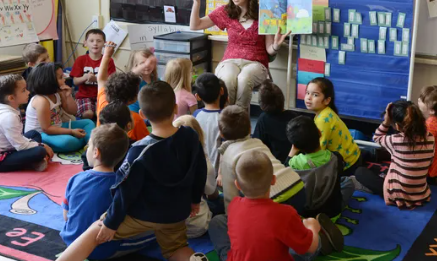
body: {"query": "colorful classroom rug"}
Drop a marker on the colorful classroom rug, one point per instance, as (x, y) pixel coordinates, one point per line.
(31, 217)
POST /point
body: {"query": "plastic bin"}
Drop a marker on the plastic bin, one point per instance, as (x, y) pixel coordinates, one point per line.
(197, 69)
(164, 57)
(184, 42)
(358, 135)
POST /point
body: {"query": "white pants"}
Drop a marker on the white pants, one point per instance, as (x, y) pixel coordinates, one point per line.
(240, 76)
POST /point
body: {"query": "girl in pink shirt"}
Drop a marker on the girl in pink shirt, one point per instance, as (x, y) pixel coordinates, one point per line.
(178, 75)
(246, 59)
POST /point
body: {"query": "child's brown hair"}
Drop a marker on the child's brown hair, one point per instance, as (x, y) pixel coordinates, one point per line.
(429, 97)
(271, 99)
(234, 123)
(157, 101)
(31, 52)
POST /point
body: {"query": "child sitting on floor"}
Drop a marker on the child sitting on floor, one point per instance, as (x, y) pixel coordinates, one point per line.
(120, 87)
(271, 124)
(210, 92)
(34, 54)
(234, 126)
(320, 170)
(178, 73)
(198, 225)
(142, 63)
(115, 112)
(159, 185)
(258, 228)
(88, 195)
(428, 105)
(18, 151)
(43, 113)
(320, 98)
(412, 152)
(84, 72)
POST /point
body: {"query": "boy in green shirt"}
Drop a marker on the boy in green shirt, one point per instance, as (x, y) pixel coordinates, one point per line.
(320, 169)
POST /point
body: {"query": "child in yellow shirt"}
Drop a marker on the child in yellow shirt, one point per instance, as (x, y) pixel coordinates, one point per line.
(335, 136)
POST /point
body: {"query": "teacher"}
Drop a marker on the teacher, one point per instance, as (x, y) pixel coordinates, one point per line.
(246, 58)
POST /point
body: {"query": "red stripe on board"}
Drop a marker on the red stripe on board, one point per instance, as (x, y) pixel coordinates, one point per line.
(20, 254)
(311, 66)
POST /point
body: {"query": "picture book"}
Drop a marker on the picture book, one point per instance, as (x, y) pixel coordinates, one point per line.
(291, 15)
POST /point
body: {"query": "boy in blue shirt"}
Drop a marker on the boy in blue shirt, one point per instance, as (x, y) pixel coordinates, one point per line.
(88, 193)
(158, 186)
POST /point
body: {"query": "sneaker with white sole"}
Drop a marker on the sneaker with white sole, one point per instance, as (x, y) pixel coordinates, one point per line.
(40, 166)
(198, 257)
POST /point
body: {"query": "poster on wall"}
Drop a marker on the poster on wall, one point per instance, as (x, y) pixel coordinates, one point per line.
(44, 17)
(16, 24)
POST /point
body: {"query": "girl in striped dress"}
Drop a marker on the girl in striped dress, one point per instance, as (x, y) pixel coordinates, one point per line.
(412, 152)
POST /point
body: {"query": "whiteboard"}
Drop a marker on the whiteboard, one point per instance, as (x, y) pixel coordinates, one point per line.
(426, 31)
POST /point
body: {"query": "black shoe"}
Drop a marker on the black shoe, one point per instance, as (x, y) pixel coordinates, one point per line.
(331, 231)
(326, 248)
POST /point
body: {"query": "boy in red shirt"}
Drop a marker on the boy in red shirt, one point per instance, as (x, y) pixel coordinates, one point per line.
(84, 73)
(258, 228)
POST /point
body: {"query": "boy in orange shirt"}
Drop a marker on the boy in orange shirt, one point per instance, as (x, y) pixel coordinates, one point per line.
(122, 87)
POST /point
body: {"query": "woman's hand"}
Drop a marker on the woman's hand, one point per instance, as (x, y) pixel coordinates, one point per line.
(387, 120)
(279, 39)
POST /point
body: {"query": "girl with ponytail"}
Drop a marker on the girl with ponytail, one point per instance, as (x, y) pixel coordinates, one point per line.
(412, 151)
(335, 136)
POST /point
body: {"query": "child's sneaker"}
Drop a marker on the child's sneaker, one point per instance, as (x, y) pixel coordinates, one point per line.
(331, 231)
(40, 166)
(198, 257)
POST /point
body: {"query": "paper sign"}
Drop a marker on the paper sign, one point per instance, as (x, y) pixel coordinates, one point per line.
(432, 8)
(315, 28)
(303, 39)
(381, 47)
(382, 33)
(373, 19)
(312, 53)
(321, 41)
(308, 39)
(306, 77)
(398, 48)
(311, 66)
(326, 42)
(114, 34)
(348, 47)
(358, 18)
(16, 24)
(336, 18)
(381, 19)
(327, 69)
(363, 45)
(388, 19)
(393, 34)
(355, 30)
(301, 91)
(328, 14)
(341, 57)
(371, 46)
(350, 40)
(405, 47)
(318, 12)
(314, 40)
(169, 14)
(328, 27)
(352, 15)
(334, 42)
(321, 27)
(405, 35)
(347, 29)
(401, 20)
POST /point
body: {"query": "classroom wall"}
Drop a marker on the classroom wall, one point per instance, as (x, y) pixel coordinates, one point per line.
(80, 12)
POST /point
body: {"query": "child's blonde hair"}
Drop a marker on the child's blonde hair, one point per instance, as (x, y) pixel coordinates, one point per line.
(190, 121)
(178, 74)
(132, 62)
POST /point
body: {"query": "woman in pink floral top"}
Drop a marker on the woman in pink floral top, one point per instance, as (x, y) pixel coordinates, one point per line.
(246, 58)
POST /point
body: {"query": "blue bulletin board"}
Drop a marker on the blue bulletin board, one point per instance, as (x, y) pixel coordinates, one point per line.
(366, 82)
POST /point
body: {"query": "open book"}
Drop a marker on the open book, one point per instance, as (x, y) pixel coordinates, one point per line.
(294, 15)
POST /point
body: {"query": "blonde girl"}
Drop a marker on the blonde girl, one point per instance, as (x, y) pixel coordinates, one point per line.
(198, 225)
(143, 63)
(178, 75)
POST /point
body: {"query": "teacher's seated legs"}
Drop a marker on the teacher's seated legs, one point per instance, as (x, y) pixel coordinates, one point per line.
(240, 76)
